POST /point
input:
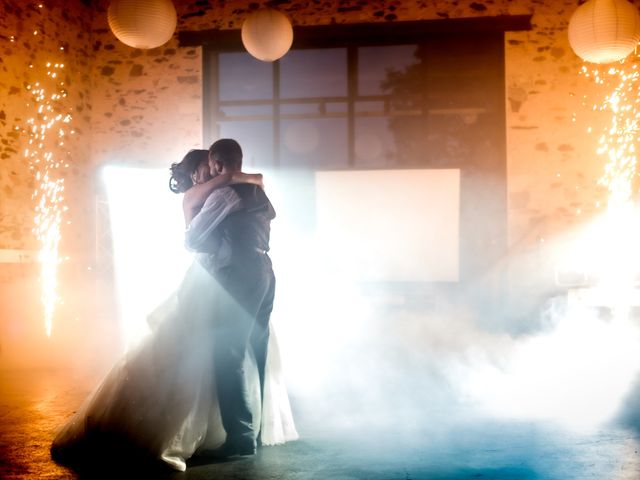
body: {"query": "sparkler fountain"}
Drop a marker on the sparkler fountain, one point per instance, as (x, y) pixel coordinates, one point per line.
(618, 234)
(47, 126)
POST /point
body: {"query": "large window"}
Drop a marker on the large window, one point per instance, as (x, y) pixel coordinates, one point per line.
(430, 104)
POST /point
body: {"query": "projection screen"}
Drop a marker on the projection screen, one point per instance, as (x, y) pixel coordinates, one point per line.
(390, 225)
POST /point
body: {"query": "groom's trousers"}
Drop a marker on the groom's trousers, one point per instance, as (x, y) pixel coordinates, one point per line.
(242, 322)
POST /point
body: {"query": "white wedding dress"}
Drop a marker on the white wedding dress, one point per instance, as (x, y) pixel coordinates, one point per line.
(159, 399)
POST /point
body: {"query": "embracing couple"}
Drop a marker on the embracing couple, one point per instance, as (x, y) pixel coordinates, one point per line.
(207, 380)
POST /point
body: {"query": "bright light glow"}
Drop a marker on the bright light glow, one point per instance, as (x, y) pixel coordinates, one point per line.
(317, 313)
(45, 127)
(148, 243)
(334, 337)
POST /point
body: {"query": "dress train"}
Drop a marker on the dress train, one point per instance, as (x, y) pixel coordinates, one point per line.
(159, 400)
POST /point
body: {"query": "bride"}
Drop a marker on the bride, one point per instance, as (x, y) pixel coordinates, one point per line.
(159, 401)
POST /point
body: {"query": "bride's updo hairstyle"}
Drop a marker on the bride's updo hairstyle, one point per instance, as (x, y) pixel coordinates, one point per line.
(180, 180)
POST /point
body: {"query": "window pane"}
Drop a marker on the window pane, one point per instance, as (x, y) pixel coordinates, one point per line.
(375, 144)
(336, 107)
(459, 74)
(314, 73)
(374, 64)
(300, 109)
(370, 107)
(242, 77)
(245, 110)
(256, 140)
(319, 143)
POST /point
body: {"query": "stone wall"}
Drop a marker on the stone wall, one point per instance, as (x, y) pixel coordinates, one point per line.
(149, 111)
(35, 36)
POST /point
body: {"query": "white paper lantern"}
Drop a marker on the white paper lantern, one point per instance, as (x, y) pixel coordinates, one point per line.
(267, 34)
(142, 23)
(604, 31)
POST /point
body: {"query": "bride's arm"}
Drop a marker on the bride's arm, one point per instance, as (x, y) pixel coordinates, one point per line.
(195, 197)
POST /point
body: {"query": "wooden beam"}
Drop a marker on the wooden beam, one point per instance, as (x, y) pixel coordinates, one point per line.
(363, 34)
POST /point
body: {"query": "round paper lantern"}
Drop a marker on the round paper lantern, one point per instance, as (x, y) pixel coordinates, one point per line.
(267, 34)
(604, 31)
(142, 23)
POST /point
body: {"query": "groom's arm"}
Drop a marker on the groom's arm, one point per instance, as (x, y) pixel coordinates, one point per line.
(220, 204)
(196, 196)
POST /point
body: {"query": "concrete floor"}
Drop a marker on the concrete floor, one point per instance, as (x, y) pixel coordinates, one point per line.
(34, 403)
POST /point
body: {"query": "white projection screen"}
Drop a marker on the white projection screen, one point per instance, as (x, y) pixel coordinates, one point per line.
(390, 225)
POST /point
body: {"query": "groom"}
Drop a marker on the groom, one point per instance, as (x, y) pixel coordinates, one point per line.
(237, 219)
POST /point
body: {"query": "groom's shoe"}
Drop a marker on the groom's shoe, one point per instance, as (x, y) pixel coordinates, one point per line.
(231, 449)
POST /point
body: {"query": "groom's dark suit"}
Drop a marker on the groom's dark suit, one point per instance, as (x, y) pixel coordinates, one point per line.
(234, 227)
